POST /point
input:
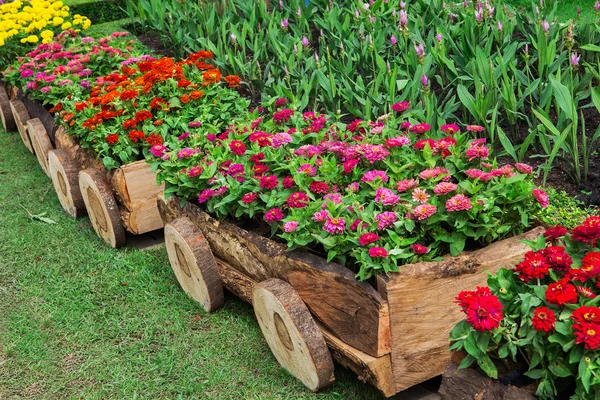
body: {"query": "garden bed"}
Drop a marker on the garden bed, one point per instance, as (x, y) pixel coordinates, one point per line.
(380, 330)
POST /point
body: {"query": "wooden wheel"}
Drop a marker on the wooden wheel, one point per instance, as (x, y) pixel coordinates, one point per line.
(292, 334)
(21, 116)
(101, 207)
(193, 263)
(8, 122)
(65, 177)
(40, 141)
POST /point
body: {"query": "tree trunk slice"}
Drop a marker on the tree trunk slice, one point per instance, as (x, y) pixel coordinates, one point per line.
(193, 263)
(21, 117)
(292, 334)
(102, 207)
(40, 141)
(8, 122)
(65, 177)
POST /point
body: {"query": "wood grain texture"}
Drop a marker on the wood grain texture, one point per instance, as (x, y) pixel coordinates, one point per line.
(21, 116)
(65, 178)
(422, 310)
(40, 141)
(354, 311)
(292, 334)
(37, 110)
(8, 122)
(101, 206)
(137, 190)
(81, 157)
(193, 263)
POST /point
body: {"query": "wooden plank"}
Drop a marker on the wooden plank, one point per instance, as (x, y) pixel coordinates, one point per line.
(136, 189)
(422, 310)
(21, 116)
(354, 311)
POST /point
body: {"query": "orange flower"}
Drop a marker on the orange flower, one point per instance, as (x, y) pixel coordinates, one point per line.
(56, 108)
(154, 139)
(129, 123)
(196, 94)
(68, 116)
(80, 106)
(233, 81)
(185, 99)
(202, 66)
(183, 83)
(128, 95)
(211, 76)
(159, 122)
(128, 70)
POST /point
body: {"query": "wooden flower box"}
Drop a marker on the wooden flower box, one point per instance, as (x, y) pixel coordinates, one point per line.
(393, 332)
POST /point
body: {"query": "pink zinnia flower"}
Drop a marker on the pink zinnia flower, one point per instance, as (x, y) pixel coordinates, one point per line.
(397, 141)
(474, 173)
(185, 153)
(249, 198)
(400, 107)
(450, 129)
(375, 152)
(319, 187)
(158, 150)
(444, 188)
(288, 182)
(423, 211)
(183, 136)
(320, 216)
(290, 226)
(459, 202)
(524, 168)
(420, 128)
(269, 182)
(281, 139)
(386, 196)
(420, 196)
(273, 215)
(368, 238)
(477, 151)
(370, 176)
(419, 248)
(407, 184)
(378, 252)
(334, 226)
(353, 187)
(475, 128)
(307, 169)
(335, 198)
(385, 219)
(541, 197)
(205, 195)
(195, 171)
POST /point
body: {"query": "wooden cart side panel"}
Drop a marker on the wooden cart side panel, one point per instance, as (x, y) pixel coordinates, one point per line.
(136, 189)
(354, 311)
(422, 310)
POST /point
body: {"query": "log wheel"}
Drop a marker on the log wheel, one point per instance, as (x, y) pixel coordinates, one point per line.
(292, 334)
(193, 263)
(65, 177)
(40, 141)
(21, 116)
(8, 122)
(101, 207)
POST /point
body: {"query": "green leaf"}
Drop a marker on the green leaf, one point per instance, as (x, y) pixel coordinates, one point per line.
(559, 369)
(458, 243)
(534, 374)
(487, 365)
(563, 98)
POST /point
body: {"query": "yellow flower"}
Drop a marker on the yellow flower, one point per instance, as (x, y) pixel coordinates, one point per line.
(47, 34)
(66, 26)
(57, 21)
(46, 40)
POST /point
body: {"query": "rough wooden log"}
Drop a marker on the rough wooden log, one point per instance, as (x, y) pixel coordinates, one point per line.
(193, 263)
(40, 141)
(422, 312)
(65, 178)
(80, 156)
(292, 334)
(101, 206)
(469, 384)
(8, 122)
(37, 110)
(354, 311)
(21, 117)
(136, 189)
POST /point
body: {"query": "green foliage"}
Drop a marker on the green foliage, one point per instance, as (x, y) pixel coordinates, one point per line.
(564, 210)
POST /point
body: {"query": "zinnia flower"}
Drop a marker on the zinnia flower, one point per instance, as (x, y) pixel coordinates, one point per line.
(419, 248)
(420, 128)
(587, 232)
(423, 211)
(378, 252)
(370, 176)
(543, 319)
(320, 216)
(297, 200)
(334, 225)
(524, 168)
(400, 107)
(268, 182)
(290, 226)
(460, 202)
(443, 188)
(588, 334)
(112, 138)
(420, 196)
(589, 314)
(237, 147)
(533, 266)
(541, 197)
(590, 267)
(450, 129)
(385, 219)
(484, 313)
(249, 198)
(319, 187)
(551, 234)
(273, 215)
(406, 184)
(375, 152)
(368, 238)
(561, 293)
(386, 196)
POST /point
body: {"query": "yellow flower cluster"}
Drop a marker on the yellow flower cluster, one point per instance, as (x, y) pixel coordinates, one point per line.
(35, 20)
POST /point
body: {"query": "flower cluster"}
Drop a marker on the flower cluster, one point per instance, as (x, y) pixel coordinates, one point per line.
(67, 65)
(151, 105)
(373, 194)
(543, 312)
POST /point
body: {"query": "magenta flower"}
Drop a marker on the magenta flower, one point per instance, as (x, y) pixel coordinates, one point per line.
(477, 151)
(334, 226)
(280, 139)
(194, 172)
(450, 129)
(370, 176)
(575, 59)
(249, 198)
(368, 238)
(378, 252)
(545, 26)
(400, 107)
(397, 141)
(353, 187)
(524, 168)
(158, 150)
(460, 202)
(541, 197)
(420, 128)
(185, 153)
(320, 216)
(206, 195)
(419, 249)
(304, 41)
(183, 136)
(386, 197)
(335, 198)
(307, 169)
(273, 215)
(406, 185)
(385, 220)
(290, 226)
(393, 40)
(285, 23)
(297, 200)
(373, 152)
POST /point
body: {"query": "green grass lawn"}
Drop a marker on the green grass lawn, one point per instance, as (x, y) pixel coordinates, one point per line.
(567, 9)
(80, 320)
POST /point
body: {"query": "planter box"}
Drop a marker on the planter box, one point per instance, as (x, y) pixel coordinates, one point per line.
(393, 336)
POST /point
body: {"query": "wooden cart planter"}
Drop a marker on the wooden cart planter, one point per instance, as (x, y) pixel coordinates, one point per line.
(394, 336)
(116, 201)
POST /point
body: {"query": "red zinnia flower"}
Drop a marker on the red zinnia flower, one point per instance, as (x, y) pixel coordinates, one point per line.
(463, 299)
(319, 187)
(378, 252)
(588, 334)
(249, 198)
(128, 95)
(297, 200)
(112, 138)
(586, 314)
(533, 266)
(237, 147)
(134, 136)
(142, 115)
(554, 233)
(484, 312)
(129, 123)
(419, 248)
(400, 107)
(543, 319)
(154, 139)
(561, 293)
(420, 128)
(368, 238)
(558, 259)
(288, 182)
(588, 231)
(269, 182)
